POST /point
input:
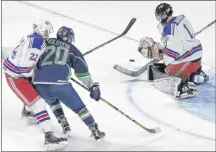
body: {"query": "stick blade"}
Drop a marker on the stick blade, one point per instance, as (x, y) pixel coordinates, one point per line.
(157, 129)
(154, 130)
(122, 70)
(130, 24)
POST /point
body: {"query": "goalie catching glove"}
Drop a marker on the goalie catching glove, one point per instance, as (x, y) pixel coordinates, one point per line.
(150, 49)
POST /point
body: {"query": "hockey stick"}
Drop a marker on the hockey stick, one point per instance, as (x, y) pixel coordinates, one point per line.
(130, 24)
(150, 130)
(205, 27)
(134, 73)
(144, 68)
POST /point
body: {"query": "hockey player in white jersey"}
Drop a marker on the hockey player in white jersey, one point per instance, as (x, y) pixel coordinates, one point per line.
(181, 53)
(18, 68)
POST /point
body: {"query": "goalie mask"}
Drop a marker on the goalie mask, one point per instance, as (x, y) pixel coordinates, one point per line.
(43, 28)
(162, 12)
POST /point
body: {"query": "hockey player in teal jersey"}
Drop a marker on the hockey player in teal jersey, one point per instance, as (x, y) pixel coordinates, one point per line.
(52, 77)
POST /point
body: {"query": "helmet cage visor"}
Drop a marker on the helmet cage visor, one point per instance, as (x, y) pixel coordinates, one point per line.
(69, 38)
(46, 33)
(161, 17)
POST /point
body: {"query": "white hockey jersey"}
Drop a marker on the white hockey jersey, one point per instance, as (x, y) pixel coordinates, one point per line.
(21, 61)
(179, 41)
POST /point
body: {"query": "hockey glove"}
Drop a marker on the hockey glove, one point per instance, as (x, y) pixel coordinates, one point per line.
(145, 45)
(149, 48)
(95, 91)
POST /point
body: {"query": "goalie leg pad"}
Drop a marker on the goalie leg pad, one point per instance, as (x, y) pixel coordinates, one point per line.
(168, 85)
(159, 66)
(165, 83)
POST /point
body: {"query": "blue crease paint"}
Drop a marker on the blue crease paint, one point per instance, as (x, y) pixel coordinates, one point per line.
(132, 101)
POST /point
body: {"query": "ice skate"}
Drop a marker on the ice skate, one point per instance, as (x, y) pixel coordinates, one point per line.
(206, 77)
(64, 124)
(199, 77)
(54, 143)
(96, 133)
(28, 115)
(185, 92)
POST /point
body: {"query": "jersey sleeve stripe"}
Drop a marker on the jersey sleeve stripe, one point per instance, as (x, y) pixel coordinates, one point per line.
(191, 36)
(190, 52)
(21, 69)
(82, 74)
(11, 66)
(7, 67)
(16, 69)
(170, 53)
(25, 68)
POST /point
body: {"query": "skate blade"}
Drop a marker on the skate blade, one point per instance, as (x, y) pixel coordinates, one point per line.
(101, 139)
(98, 141)
(157, 130)
(66, 131)
(188, 96)
(56, 146)
(66, 135)
(184, 97)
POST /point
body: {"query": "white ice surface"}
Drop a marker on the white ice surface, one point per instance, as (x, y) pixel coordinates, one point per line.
(181, 130)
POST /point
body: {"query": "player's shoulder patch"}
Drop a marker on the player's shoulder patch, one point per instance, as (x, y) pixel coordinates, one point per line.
(169, 29)
(35, 36)
(36, 41)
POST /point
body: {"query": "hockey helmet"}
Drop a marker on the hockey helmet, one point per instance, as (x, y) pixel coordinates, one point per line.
(44, 28)
(66, 34)
(162, 12)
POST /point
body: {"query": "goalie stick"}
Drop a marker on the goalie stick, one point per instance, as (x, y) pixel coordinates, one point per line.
(150, 130)
(134, 73)
(130, 24)
(144, 68)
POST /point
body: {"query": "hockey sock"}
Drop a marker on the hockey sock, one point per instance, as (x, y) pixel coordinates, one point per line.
(57, 109)
(43, 120)
(41, 115)
(86, 117)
